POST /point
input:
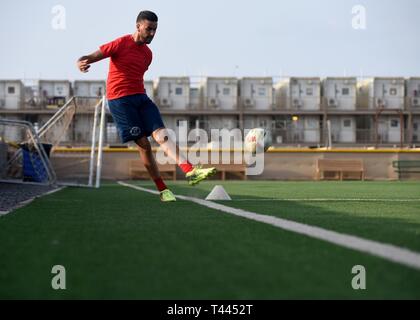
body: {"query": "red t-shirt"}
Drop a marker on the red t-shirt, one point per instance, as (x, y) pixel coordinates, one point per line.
(129, 61)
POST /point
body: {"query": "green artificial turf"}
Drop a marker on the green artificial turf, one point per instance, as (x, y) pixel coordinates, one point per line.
(116, 242)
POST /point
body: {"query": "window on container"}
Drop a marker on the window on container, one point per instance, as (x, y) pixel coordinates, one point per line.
(59, 90)
(261, 91)
(394, 123)
(393, 91)
(345, 91)
(178, 91)
(226, 91)
(347, 123)
(11, 90)
(309, 91)
(415, 126)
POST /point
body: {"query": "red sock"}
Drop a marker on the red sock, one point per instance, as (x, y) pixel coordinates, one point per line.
(186, 167)
(160, 184)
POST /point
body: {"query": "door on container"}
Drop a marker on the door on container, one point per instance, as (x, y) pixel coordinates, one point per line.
(311, 130)
(347, 96)
(348, 132)
(394, 130)
(181, 129)
(12, 97)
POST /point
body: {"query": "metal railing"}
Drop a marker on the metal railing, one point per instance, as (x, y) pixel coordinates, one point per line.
(239, 103)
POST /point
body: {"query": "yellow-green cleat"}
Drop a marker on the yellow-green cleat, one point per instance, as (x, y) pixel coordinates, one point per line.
(167, 196)
(199, 174)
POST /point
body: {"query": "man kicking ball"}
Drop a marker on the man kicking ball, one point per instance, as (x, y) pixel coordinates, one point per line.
(135, 115)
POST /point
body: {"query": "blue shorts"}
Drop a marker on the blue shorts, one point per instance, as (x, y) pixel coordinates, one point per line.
(136, 116)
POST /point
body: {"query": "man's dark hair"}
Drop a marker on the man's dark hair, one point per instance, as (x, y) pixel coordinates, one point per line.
(147, 15)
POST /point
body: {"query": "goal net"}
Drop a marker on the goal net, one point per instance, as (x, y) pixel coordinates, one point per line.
(71, 138)
(23, 158)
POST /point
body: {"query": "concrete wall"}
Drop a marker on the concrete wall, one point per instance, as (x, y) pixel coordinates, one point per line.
(278, 165)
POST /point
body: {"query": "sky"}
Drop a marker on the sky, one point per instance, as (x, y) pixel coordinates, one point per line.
(44, 38)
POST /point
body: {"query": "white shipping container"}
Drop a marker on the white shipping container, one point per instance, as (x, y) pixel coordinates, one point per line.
(173, 93)
(340, 93)
(89, 88)
(413, 93)
(299, 93)
(256, 93)
(11, 94)
(220, 93)
(387, 93)
(54, 93)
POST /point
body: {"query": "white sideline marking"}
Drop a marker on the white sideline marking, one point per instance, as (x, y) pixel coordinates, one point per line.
(329, 200)
(28, 201)
(50, 192)
(387, 251)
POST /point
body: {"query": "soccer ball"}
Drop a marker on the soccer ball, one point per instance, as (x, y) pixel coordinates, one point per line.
(257, 139)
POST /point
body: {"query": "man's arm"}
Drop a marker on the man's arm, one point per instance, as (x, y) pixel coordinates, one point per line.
(84, 62)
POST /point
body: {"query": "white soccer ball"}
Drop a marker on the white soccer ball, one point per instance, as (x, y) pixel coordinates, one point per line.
(257, 139)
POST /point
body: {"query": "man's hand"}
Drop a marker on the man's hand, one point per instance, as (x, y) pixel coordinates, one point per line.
(83, 65)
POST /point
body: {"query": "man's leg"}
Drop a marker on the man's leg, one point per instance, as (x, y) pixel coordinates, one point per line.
(128, 118)
(193, 174)
(146, 155)
(171, 149)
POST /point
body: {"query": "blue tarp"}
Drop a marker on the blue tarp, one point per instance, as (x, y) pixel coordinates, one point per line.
(33, 168)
